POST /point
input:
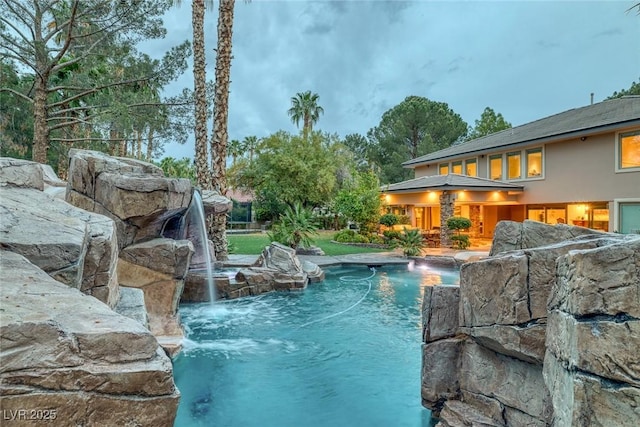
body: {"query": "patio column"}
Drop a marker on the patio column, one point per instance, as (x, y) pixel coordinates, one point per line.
(474, 216)
(447, 201)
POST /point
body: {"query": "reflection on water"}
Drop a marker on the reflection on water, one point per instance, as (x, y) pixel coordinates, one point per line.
(337, 354)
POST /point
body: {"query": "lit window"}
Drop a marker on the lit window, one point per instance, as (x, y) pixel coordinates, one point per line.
(456, 167)
(629, 150)
(471, 168)
(443, 169)
(534, 163)
(495, 167)
(514, 169)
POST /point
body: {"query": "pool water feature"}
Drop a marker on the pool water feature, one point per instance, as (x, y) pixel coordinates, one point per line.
(340, 353)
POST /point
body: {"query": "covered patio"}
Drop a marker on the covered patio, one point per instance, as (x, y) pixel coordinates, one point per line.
(430, 200)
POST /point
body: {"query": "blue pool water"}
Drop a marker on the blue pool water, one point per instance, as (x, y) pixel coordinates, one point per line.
(338, 354)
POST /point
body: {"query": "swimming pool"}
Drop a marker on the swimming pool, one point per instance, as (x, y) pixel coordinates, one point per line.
(340, 353)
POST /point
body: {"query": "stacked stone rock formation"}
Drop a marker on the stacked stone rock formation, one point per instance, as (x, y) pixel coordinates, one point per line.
(73, 246)
(543, 332)
(66, 358)
(276, 269)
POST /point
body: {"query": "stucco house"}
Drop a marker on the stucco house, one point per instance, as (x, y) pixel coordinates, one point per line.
(581, 167)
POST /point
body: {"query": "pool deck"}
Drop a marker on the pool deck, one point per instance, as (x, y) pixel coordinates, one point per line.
(380, 258)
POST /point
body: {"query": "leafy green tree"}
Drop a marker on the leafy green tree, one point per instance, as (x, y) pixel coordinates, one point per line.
(489, 123)
(304, 106)
(360, 147)
(16, 115)
(48, 37)
(360, 201)
(295, 228)
(633, 90)
(290, 169)
(175, 168)
(415, 127)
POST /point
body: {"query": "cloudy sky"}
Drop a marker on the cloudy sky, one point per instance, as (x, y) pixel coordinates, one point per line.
(524, 59)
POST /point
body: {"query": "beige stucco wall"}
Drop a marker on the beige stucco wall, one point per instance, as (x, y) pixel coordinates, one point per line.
(574, 171)
(581, 171)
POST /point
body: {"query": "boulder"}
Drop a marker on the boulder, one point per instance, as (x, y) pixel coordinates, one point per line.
(440, 312)
(214, 203)
(514, 383)
(525, 342)
(495, 291)
(605, 280)
(584, 400)
(311, 250)
(18, 173)
(313, 272)
(279, 257)
(72, 357)
(79, 248)
(511, 235)
(440, 372)
(134, 194)
(167, 256)
(158, 267)
(550, 330)
(458, 414)
(131, 305)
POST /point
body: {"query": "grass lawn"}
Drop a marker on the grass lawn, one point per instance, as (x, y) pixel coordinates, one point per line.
(253, 244)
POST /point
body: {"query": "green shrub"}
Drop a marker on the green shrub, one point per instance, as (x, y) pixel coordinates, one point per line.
(374, 238)
(404, 219)
(296, 228)
(389, 219)
(411, 242)
(344, 236)
(460, 241)
(391, 234)
(359, 238)
(458, 223)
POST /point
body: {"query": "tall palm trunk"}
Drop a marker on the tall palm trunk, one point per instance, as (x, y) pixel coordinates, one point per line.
(203, 176)
(217, 224)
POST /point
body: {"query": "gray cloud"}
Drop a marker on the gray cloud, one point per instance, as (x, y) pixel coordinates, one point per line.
(526, 60)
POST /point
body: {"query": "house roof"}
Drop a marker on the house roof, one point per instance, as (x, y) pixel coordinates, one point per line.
(450, 182)
(239, 196)
(603, 116)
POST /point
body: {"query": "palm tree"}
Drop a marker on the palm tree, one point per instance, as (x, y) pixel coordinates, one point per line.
(305, 106)
(234, 149)
(217, 224)
(203, 174)
(250, 144)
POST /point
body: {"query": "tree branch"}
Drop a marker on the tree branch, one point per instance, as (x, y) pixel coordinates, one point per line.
(25, 97)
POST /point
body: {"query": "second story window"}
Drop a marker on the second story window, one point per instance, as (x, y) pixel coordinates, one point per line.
(495, 167)
(628, 150)
(443, 169)
(471, 167)
(534, 163)
(514, 165)
(456, 167)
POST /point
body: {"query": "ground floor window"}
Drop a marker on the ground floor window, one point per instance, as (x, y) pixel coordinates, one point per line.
(629, 218)
(590, 215)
